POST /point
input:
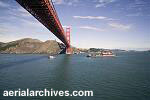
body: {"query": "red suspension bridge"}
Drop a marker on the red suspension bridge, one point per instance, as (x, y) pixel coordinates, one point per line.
(44, 12)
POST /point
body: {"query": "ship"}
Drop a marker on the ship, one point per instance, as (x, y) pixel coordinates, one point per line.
(101, 53)
(106, 53)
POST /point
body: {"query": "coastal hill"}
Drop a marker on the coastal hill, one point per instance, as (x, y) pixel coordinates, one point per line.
(1, 43)
(35, 46)
(29, 45)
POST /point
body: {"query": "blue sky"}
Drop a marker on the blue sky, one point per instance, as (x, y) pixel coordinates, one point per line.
(123, 24)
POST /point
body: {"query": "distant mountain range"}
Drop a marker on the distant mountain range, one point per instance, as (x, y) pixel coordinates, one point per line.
(29, 45)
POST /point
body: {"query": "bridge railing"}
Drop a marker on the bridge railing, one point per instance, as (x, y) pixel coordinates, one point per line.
(55, 13)
(57, 19)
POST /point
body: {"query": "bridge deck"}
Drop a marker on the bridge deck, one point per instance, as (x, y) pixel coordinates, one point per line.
(44, 12)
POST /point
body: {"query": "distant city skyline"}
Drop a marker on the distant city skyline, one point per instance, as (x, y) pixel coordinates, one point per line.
(111, 24)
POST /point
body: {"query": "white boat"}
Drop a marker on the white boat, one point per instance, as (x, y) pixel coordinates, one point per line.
(51, 57)
(89, 55)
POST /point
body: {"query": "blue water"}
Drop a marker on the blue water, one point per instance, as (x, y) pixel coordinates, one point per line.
(124, 77)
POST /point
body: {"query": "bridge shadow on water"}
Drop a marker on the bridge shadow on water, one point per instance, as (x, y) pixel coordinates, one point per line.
(19, 62)
(62, 77)
(62, 68)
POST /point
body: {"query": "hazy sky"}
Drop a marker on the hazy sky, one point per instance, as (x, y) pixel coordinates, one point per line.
(95, 23)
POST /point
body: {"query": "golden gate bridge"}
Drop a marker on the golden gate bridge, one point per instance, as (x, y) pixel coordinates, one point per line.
(44, 11)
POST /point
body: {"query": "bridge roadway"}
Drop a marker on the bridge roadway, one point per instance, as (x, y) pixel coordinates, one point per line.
(44, 12)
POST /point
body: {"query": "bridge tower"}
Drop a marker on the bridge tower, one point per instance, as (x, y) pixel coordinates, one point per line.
(68, 49)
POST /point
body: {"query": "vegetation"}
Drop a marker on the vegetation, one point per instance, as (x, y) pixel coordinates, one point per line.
(31, 46)
(95, 50)
(8, 46)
